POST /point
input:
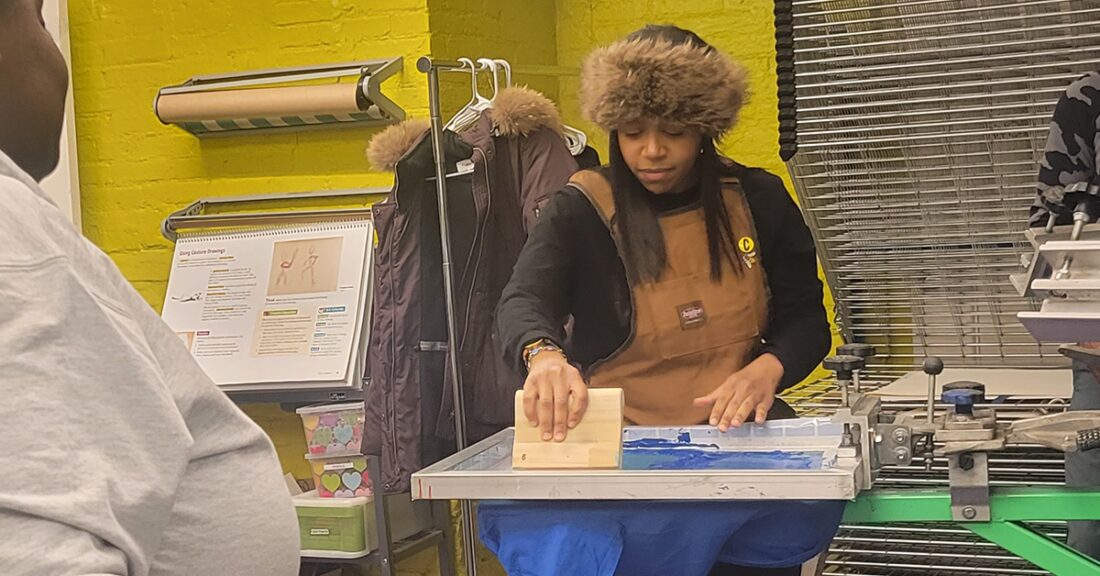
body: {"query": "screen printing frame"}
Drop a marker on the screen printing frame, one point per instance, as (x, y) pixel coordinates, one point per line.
(484, 472)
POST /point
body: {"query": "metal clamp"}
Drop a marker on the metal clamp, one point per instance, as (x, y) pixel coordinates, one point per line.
(968, 474)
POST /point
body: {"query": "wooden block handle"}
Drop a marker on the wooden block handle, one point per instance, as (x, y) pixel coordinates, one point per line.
(596, 442)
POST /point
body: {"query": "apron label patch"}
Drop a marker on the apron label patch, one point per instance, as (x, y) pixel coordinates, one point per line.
(692, 315)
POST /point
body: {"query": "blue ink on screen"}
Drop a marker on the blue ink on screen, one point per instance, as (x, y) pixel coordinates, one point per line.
(697, 459)
(683, 454)
(682, 442)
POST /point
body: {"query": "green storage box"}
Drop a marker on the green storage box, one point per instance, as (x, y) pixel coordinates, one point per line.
(335, 527)
(344, 527)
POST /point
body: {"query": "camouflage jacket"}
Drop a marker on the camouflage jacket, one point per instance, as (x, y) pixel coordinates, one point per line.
(1071, 150)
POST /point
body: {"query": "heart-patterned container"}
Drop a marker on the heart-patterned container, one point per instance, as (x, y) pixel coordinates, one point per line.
(341, 477)
(333, 429)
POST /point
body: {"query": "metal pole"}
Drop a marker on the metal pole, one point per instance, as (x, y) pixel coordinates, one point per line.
(386, 558)
(930, 409)
(426, 65)
(1080, 218)
(448, 269)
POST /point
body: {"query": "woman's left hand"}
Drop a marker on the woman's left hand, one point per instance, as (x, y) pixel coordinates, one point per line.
(748, 391)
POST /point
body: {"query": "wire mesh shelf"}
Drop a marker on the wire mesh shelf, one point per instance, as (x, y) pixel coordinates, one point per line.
(920, 127)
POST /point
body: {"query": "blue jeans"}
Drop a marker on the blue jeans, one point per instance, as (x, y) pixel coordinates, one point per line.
(1083, 468)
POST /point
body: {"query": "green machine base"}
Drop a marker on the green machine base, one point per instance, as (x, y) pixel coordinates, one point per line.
(1010, 508)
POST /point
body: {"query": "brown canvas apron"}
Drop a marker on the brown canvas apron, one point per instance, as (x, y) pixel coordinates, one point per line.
(688, 333)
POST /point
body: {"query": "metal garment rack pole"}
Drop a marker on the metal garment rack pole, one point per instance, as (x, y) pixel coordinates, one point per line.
(432, 68)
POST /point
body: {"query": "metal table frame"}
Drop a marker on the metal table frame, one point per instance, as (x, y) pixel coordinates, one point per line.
(483, 472)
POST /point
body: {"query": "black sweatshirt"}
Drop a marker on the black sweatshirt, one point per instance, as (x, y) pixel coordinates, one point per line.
(570, 266)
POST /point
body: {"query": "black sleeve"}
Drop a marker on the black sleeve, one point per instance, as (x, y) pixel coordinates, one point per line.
(1068, 157)
(535, 302)
(798, 327)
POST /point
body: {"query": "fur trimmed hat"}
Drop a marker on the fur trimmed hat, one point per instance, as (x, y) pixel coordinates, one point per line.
(656, 78)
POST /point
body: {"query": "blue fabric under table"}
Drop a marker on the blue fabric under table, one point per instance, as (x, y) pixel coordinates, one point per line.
(636, 538)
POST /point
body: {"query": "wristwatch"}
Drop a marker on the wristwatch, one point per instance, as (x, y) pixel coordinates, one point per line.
(537, 347)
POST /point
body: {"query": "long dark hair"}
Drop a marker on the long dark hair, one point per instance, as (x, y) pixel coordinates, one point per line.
(643, 242)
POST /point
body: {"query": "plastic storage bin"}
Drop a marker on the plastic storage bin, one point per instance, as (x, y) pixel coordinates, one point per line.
(344, 527)
(333, 429)
(337, 528)
(341, 477)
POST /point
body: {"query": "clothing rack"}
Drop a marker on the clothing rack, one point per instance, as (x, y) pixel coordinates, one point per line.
(431, 67)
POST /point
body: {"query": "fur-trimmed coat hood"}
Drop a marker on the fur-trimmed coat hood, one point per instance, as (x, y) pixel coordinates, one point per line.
(517, 111)
(655, 78)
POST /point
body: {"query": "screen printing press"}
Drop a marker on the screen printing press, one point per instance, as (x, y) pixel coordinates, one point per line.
(840, 457)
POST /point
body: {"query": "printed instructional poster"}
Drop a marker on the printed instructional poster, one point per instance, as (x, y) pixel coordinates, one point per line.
(275, 306)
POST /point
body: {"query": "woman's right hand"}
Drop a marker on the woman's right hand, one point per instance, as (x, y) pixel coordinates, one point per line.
(555, 396)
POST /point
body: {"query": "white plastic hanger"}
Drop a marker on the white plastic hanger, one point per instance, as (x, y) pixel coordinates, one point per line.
(494, 67)
(469, 116)
(576, 140)
(507, 72)
(472, 110)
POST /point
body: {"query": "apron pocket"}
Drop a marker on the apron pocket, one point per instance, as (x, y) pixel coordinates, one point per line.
(693, 314)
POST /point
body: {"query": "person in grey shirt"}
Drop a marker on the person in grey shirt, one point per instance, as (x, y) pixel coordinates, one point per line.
(1071, 157)
(120, 456)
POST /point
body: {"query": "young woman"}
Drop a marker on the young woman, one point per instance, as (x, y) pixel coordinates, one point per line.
(690, 280)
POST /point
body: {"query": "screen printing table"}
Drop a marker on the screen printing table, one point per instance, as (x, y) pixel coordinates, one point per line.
(781, 460)
(834, 458)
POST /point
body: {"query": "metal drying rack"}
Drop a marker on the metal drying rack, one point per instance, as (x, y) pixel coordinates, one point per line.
(917, 127)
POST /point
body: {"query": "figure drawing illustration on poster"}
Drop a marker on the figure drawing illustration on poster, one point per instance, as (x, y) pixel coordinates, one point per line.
(305, 266)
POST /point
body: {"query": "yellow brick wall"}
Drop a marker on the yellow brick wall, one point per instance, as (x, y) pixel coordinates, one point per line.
(522, 32)
(134, 171)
